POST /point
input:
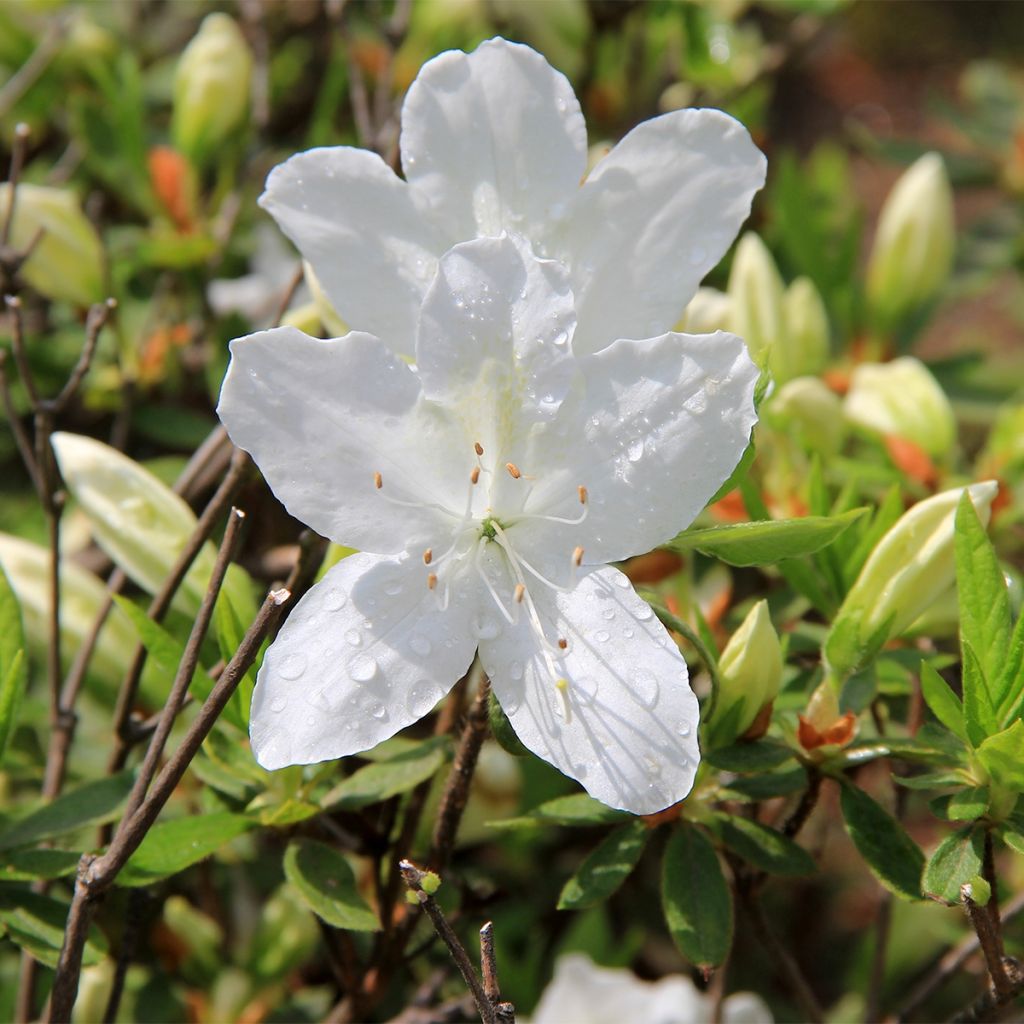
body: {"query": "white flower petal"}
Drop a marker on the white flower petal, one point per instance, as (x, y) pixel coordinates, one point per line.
(321, 417)
(495, 139)
(366, 652)
(653, 218)
(497, 323)
(626, 725)
(357, 223)
(664, 422)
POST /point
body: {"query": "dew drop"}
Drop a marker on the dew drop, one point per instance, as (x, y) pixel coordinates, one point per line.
(602, 636)
(644, 687)
(652, 766)
(393, 589)
(319, 700)
(628, 633)
(353, 637)
(515, 670)
(379, 711)
(278, 704)
(486, 629)
(419, 644)
(293, 666)
(561, 339)
(685, 729)
(362, 668)
(635, 450)
(335, 599)
(621, 582)
(608, 613)
(422, 698)
(580, 771)
(643, 612)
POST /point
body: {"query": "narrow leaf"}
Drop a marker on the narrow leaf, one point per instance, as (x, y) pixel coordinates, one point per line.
(942, 701)
(695, 898)
(1003, 757)
(36, 923)
(894, 858)
(605, 868)
(324, 880)
(384, 779)
(579, 809)
(764, 847)
(29, 865)
(750, 757)
(13, 666)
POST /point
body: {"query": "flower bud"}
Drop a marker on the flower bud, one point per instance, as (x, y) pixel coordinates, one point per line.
(910, 568)
(912, 254)
(67, 262)
(709, 310)
(804, 348)
(902, 398)
(750, 673)
(211, 87)
(758, 297)
(812, 410)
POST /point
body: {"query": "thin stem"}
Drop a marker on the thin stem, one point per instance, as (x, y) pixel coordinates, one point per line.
(21, 438)
(94, 324)
(18, 348)
(990, 942)
(18, 148)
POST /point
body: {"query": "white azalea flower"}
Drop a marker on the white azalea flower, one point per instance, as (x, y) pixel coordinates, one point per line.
(583, 993)
(486, 489)
(494, 141)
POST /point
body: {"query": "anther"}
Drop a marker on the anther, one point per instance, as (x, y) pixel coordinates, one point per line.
(582, 491)
(431, 581)
(563, 643)
(428, 556)
(520, 593)
(513, 470)
(478, 448)
(475, 475)
(577, 556)
(378, 481)
(562, 684)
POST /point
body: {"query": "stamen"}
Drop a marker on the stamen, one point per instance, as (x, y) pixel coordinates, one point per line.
(577, 556)
(428, 556)
(562, 686)
(513, 470)
(378, 481)
(563, 643)
(475, 475)
(512, 619)
(431, 580)
(584, 495)
(520, 592)
(478, 448)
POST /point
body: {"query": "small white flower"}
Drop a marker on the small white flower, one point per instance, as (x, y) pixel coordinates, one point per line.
(494, 141)
(486, 490)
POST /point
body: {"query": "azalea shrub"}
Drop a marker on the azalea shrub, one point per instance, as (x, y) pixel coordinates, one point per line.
(563, 564)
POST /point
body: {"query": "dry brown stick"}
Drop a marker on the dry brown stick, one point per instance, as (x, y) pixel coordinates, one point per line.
(95, 321)
(18, 148)
(97, 874)
(951, 961)
(504, 1012)
(413, 878)
(990, 941)
(187, 666)
(125, 737)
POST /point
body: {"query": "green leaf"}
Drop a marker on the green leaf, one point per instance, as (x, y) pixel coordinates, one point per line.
(1011, 680)
(956, 860)
(501, 729)
(1003, 757)
(606, 867)
(29, 865)
(760, 756)
(579, 809)
(172, 846)
(894, 858)
(768, 541)
(968, 804)
(944, 703)
(384, 779)
(93, 803)
(230, 629)
(1014, 840)
(13, 666)
(766, 785)
(764, 847)
(324, 880)
(696, 898)
(36, 923)
(983, 600)
(979, 715)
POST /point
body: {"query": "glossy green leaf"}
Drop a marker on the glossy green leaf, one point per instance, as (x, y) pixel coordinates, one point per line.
(172, 846)
(579, 809)
(696, 898)
(764, 847)
(944, 703)
(765, 785)
(605, 868)
(894, 858)
(956, 860)
(36, 923)
(324, 880)
(759, 756)
(384, 779)
(967, 804)
(93, 803)
(29, 865)
(13, 664)
(1003, 757)
(768, 541)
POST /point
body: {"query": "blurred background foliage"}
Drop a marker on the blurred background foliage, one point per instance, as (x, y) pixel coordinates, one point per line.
(889, 317)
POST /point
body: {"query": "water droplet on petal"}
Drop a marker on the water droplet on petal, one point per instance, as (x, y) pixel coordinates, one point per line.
(561, 339)
(515, 670)
(292, 666)
(608, 613)
(335, 599)
(621, 581)
(486, 628)
(362, 668)
(379, 711)
(643, 612)
(602, 636)
(644, 687)
(580, 771)
(353, 638)
(278, 704)
(635, 450)
(652, 766)
(420, 644)
(393, 589)
(422, 697)
(685, 729)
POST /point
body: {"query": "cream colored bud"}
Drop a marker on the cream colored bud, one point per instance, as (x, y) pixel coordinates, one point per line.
(709, 310)
(757, 294)
(902, 398)
(912, 254)
(211, 87)
(804, 347)
(750, 673)
(910, 568)
(67, 262)
(812, 410)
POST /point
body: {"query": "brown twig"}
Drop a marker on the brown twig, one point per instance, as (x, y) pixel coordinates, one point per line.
(21, 438)
(990, 941)
(987, 1004)
(95, 321)
(97, 874)
(504, 1012)
(18, 148)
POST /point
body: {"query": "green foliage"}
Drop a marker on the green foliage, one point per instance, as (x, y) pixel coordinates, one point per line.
(324, 880)
(13, 667)
(956, 860)
(606, 867)
(761, 846)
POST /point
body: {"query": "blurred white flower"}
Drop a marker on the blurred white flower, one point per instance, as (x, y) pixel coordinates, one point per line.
(486, 491)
